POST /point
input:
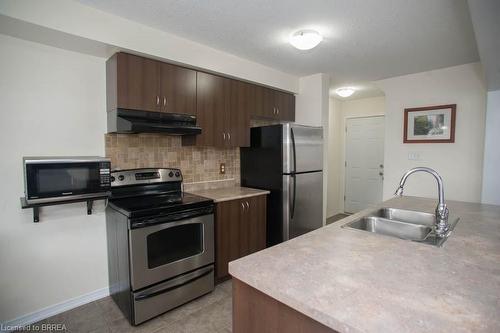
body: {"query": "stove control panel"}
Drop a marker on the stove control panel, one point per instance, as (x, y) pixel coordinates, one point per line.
(145, 176)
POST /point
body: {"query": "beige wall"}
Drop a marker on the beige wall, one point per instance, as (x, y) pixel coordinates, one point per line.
(52, 102)
(459, 163)
(339, 112)
(491, 180)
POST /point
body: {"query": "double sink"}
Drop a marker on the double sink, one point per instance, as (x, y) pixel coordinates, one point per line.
(405, 224)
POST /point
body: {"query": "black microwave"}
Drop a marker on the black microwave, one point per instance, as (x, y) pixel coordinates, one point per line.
(48, 179)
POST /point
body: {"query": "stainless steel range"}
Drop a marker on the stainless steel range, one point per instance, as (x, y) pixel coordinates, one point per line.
(160, 242)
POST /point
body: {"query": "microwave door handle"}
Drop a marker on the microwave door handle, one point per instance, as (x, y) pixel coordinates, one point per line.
(177, 284)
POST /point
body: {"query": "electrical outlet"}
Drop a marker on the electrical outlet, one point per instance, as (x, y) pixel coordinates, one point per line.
(222, 168)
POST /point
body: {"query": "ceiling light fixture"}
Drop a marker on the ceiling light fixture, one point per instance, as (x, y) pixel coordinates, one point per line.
(305, 39)
(345, 92)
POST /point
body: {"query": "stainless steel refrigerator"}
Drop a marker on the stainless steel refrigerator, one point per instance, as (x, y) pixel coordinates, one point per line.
(287, 160)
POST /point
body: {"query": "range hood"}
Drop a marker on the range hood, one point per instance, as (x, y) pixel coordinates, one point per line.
(132, 121)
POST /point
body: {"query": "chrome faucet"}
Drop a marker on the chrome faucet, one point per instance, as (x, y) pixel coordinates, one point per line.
(442, 212)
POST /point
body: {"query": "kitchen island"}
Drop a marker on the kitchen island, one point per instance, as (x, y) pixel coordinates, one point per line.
(345, 280)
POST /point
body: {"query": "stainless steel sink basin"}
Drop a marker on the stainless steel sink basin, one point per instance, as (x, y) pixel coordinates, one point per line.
(404, 224)
(380, 225)
(408, 216)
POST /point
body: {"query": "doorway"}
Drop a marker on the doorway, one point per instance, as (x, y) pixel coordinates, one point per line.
(364, 163)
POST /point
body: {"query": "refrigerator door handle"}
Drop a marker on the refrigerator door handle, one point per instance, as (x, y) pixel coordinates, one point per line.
(293, 190)
(292, 176)
(294, 159)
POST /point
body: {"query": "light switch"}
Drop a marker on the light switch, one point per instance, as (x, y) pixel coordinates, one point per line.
(222, 169)
(413, 156)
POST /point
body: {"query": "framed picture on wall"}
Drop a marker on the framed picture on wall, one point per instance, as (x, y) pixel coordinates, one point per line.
(430, 124)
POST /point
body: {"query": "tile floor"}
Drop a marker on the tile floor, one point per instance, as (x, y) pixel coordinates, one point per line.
(209, 313)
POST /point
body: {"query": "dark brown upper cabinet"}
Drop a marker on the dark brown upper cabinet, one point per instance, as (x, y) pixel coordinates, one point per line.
(138, 83)
(223, 106)
(177, 89)
(239, 114)
(273, 104)
(222, 112)
(212, 104)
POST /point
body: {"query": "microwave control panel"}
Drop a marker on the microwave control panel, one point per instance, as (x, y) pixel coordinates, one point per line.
(105, 174)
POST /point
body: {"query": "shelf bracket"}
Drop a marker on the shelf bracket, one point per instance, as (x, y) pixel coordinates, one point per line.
(90, 203)
(36, 214)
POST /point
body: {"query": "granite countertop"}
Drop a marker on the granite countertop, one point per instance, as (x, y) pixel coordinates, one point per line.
(229, 193)
(356, 281)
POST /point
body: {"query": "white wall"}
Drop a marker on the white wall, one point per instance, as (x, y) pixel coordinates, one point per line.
(459, 163)
(52, 102)
(312, 109)
(312, 100)
(71, 18)
(491, 170)
(342, 110)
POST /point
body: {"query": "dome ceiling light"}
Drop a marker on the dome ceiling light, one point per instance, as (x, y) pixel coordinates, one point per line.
(305, 39)
(345, 92)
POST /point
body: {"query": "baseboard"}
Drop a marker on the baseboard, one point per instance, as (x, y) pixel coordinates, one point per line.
(52, 310)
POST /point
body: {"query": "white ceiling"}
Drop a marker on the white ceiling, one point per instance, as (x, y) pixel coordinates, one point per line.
(364, 40)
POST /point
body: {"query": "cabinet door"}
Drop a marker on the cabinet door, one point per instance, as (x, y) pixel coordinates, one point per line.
(256, 223)
(138, 83)
(212, 103)
(177, 89)
(269, 106)
(239, 118)
(227, 234)
(264, 103)
(285, 105)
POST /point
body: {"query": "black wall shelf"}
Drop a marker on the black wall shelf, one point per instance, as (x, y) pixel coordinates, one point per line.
(36, 207)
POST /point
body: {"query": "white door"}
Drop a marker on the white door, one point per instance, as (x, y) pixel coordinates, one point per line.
(364, 168)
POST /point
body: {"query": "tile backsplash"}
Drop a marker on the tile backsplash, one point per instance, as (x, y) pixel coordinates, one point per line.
(198, 164)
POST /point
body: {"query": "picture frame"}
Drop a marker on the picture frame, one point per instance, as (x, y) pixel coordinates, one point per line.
(430, 124)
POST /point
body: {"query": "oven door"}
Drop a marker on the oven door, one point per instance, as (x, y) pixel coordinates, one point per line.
(165, 250)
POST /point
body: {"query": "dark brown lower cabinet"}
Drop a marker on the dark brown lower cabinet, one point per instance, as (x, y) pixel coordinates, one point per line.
(240, 229)
(256, 312)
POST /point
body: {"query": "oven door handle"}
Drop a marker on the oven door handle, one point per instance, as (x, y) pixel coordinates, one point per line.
(171, 285)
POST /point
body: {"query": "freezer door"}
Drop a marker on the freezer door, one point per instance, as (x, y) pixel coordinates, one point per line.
(302, 148)
(302, 203)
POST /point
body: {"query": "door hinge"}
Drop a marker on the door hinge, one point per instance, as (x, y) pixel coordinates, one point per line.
(346, 129)
(344, 197)
(345, 164)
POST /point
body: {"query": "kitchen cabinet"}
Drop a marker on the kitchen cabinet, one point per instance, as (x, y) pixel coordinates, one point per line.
(222, 112)
(139, 83)
(273, 104)
(177, 89)
(239, 114)
(223, 106)
(240, 229)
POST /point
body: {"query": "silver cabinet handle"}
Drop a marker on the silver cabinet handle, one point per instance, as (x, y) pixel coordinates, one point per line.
(243, 206)
(277, 110)
(157, 100)
(164, 101)
(229, 136)
(274, 110)
(248, 205)
(224, 135)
